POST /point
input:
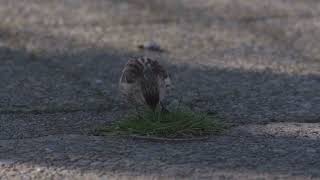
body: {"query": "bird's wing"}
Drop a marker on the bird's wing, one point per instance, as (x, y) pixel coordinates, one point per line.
(163, 78)
(160, 71)
(163, 75)
(132, 72)
(129, 81)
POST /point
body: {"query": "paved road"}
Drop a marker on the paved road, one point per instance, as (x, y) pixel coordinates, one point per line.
(256, 63)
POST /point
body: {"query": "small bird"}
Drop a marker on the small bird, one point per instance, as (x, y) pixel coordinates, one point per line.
(144, 82)
(151, 45)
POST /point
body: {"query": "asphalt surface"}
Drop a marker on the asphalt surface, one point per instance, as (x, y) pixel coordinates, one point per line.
(255, 63)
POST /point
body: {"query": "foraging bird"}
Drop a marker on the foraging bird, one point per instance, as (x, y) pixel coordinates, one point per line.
(151, 45)
(144, 82)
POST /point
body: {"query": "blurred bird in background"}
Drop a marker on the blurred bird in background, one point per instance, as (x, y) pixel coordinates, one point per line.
(145, 83)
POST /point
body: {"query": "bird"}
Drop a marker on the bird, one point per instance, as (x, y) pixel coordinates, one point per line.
(145, 83)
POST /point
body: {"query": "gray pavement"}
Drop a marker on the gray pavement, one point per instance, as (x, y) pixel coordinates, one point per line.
(255, 63)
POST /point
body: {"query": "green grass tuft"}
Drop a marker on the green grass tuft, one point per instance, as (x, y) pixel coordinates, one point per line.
(176, 124)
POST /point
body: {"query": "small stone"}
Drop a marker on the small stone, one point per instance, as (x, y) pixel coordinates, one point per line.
(38, 169)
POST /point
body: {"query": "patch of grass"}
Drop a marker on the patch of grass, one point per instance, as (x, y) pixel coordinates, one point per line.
(176, 124)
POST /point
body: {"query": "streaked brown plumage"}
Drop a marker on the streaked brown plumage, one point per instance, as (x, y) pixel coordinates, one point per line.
(144, 82)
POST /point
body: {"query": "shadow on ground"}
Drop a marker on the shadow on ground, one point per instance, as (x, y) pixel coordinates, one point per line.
(47, 94)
